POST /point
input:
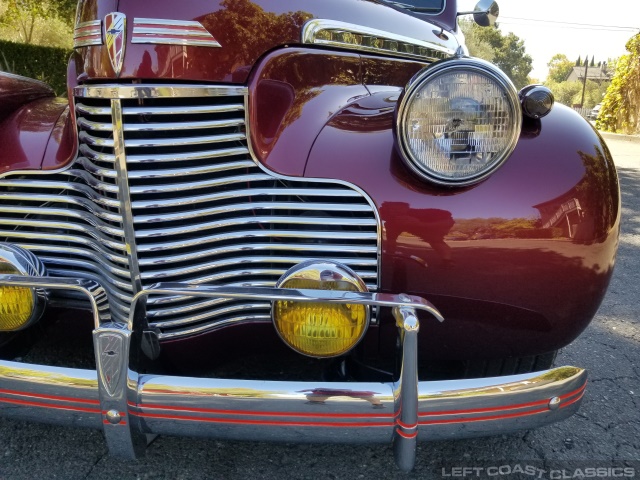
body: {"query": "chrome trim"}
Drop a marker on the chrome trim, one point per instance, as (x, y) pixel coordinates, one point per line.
(322, 272)
(172, 32)
(23, 262)
(176, 142)
(94, 292)
(195, 199)
(281, 294)
(176, 196)
(87, 34)
(180, 187)
(191, 171)
(457, 64)
(127, 405)
(254, 247)
(405, 393)
(125, 194)
(241, 207)
(150, 127)
(334, 181)
(114, 91)
(115, 33)
(91, 207)
(247, 221)
(232, 107)
(397, 45)
(153, 247)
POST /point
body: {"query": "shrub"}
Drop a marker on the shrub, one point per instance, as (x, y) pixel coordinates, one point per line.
(44, 63)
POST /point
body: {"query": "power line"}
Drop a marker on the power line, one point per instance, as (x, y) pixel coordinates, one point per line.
(572, 23)
(566, 27)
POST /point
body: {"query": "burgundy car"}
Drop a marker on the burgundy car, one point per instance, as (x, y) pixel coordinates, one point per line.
(309, 220)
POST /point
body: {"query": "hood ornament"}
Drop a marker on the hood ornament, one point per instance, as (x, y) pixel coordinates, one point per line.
(115, 31)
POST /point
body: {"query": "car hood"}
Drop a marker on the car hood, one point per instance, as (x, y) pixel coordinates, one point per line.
(245, 30)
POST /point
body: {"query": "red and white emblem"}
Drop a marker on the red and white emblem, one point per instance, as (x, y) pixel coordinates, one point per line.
(115, 31)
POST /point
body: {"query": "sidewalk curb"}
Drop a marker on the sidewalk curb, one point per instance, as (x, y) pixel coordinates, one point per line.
(620, 136)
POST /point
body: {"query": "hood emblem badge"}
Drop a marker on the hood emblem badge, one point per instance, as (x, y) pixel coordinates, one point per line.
(115, 30)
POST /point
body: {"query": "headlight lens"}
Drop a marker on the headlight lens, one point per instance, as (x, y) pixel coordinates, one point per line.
(19, 306)
(458, 121)
(321, 329)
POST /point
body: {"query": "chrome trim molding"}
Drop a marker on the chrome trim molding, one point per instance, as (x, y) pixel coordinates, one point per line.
(24, 262)
(115, 90)
(172, 32)
(166, 188)
(361, 38)
(457, 64)
(124, 193)
(87, 33)
(134, 404)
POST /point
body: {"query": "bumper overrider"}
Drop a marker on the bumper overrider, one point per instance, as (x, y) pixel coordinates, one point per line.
(130, 406)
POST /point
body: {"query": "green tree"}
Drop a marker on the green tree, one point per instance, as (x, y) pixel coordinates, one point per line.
(478, 47)
(570, 93)
(621, 104)
(559, 68)
(579, 61)
(42, 22)
(506, 51)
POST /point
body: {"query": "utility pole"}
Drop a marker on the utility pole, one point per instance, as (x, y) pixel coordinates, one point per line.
(584, 80)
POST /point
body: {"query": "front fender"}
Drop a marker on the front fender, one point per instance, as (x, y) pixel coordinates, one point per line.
(37, 135)
(518, 263)
(16, 91)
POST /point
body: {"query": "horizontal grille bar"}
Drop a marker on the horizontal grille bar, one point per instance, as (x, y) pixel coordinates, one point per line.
(202, 210)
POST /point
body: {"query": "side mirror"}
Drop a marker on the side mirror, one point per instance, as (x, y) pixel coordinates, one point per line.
(486, 13)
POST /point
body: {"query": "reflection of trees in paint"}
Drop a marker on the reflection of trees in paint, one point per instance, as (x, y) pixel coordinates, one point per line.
(246, 31)
(496, 227)
(597, 192)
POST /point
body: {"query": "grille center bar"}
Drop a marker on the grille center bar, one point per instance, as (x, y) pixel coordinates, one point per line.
(125, 194)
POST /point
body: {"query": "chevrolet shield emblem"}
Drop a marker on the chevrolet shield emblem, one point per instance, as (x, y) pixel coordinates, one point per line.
(115, 30)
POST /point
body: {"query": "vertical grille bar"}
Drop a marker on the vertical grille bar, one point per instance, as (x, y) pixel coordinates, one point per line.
(125, 197)
(165, 189)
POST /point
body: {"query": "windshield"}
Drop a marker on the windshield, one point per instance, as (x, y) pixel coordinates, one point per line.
(426, 6)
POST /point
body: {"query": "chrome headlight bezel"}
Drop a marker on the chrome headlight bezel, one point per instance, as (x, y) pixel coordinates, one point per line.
(432, 72)
(24, 263)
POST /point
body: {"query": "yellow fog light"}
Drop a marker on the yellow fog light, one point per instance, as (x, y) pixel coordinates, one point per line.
(19, 306)
(321, 329)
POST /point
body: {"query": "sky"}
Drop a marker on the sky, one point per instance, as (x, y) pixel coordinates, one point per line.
(573, 27)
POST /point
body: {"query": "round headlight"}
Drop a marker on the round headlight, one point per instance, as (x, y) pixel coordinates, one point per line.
(19, 306)
(320, 329)
(458, 120)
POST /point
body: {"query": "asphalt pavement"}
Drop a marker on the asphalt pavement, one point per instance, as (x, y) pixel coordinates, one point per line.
(602, 440)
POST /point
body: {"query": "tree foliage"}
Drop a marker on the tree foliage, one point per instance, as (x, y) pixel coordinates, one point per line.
(570, 93)
(559, 68)
(37, 22)
(506, 51)
(621, 105)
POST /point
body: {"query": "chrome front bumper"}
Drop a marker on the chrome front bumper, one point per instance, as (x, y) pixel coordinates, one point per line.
(128, 405)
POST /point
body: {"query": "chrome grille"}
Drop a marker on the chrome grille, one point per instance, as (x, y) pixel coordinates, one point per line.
(199, 210)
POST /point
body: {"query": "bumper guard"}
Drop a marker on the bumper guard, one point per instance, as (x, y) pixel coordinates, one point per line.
(129, 406)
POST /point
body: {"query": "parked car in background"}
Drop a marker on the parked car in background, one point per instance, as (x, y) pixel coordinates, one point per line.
(595, 111)
(256, 214)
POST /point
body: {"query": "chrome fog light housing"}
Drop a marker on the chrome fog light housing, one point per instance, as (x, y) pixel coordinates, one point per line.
(457, 121)
(19, 306)
(320, 329)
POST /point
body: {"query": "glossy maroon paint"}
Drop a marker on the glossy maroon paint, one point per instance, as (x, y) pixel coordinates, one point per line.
(16, 91)
(294, 92)
(245, 29)
(321, 113)
(508, 296)
(25, 136)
